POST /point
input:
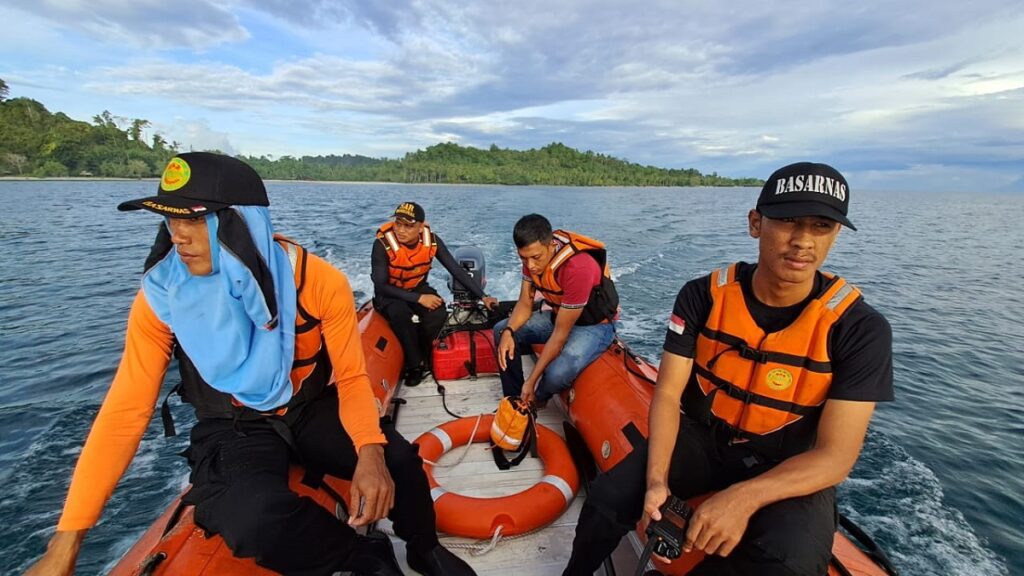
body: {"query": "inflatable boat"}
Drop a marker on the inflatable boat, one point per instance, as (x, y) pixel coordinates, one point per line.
(522, 518)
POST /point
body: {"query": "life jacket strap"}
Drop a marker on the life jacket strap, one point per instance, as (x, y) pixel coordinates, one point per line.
(748, 397)
(165, 414)
(761, 356)
(753, 354)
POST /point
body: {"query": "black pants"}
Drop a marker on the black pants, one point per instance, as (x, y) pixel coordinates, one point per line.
(240, 490)
(416, 338)
(787, 538)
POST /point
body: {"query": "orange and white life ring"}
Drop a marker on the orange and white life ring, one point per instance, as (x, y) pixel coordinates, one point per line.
(517, 513)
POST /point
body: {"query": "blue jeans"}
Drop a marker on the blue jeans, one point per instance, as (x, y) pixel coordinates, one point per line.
(584, 345)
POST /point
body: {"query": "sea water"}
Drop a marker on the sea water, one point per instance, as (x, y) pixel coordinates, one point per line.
(939, 483)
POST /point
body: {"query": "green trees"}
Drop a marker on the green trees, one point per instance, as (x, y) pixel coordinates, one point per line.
(138, 125)
(36, 142)
(449, 163)
(554, 164)
(4, 90)
(50, 169)
(17, 161)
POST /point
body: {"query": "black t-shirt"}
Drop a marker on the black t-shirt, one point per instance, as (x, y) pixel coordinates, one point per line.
(860, 343)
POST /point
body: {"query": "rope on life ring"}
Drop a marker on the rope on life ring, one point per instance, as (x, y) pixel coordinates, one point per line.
(517, 513)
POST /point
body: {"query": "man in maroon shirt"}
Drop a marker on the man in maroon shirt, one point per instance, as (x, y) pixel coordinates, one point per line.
(570, 271)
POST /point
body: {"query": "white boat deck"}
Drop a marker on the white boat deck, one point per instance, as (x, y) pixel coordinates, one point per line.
(541, 553)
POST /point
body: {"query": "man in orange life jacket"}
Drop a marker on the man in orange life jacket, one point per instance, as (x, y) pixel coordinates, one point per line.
(571, 273)
(399, 266)
(778, 367)
(271, 360)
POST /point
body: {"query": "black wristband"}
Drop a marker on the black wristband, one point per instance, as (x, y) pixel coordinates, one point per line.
(511, 331)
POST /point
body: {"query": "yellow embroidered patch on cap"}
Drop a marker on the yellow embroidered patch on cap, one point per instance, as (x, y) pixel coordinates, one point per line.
(176, 175)
(779, 379)
(406, 209)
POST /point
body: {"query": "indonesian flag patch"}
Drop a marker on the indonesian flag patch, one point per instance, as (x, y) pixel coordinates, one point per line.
(676, 324)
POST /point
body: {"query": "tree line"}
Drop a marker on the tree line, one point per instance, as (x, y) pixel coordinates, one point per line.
(35, 142)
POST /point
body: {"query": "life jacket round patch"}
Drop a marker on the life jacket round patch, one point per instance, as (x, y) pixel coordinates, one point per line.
(779, 379)
(176, 175)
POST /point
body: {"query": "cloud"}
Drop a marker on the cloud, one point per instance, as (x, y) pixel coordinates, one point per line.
(194, 24)
(320, 83)
(385, 18)
(736, 88)
(937, 178)
(940, 72)
(195, 134)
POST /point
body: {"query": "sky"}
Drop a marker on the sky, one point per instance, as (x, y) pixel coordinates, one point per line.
(919, 95)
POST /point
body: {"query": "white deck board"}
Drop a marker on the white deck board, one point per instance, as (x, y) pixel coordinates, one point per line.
(542, 553)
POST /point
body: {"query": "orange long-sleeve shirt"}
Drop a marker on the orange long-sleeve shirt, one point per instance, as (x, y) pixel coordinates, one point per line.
(133, 395)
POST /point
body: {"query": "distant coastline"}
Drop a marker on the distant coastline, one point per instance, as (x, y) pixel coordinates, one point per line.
(284, 181)
(73, 179)
(36, 143)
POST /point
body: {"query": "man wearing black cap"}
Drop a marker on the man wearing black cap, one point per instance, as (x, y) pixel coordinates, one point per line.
(400, 263)
(269, 351)
(778, 367)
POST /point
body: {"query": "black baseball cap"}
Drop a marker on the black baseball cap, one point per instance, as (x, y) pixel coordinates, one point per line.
(410, 212)
(806, 189)
(197, 183)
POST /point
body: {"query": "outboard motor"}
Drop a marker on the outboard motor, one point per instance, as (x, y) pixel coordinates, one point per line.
(467, 312)
(471, 259)
(465, 345)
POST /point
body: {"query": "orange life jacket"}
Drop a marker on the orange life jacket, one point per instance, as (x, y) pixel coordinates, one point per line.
(310, 347)
(603, 303)
(311, 368)
(756, 383)
(407, 266)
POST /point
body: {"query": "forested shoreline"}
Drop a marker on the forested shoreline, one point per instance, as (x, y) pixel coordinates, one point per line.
(37, 143)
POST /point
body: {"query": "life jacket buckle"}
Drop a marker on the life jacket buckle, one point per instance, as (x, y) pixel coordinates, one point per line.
(745, 396)
(753, 354)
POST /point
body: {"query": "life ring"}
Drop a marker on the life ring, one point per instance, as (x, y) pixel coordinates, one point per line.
(517, 513)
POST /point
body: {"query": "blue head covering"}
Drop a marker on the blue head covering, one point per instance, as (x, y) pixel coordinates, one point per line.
(223, 320)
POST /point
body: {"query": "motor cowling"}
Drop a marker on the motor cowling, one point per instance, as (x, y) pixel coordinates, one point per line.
(470, 259)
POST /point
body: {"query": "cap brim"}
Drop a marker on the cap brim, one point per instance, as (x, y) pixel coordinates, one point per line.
(405, 218)
(172, 206)
(797, 209)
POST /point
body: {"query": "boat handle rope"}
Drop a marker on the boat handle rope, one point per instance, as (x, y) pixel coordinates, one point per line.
(469, 446)
(480, 547)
